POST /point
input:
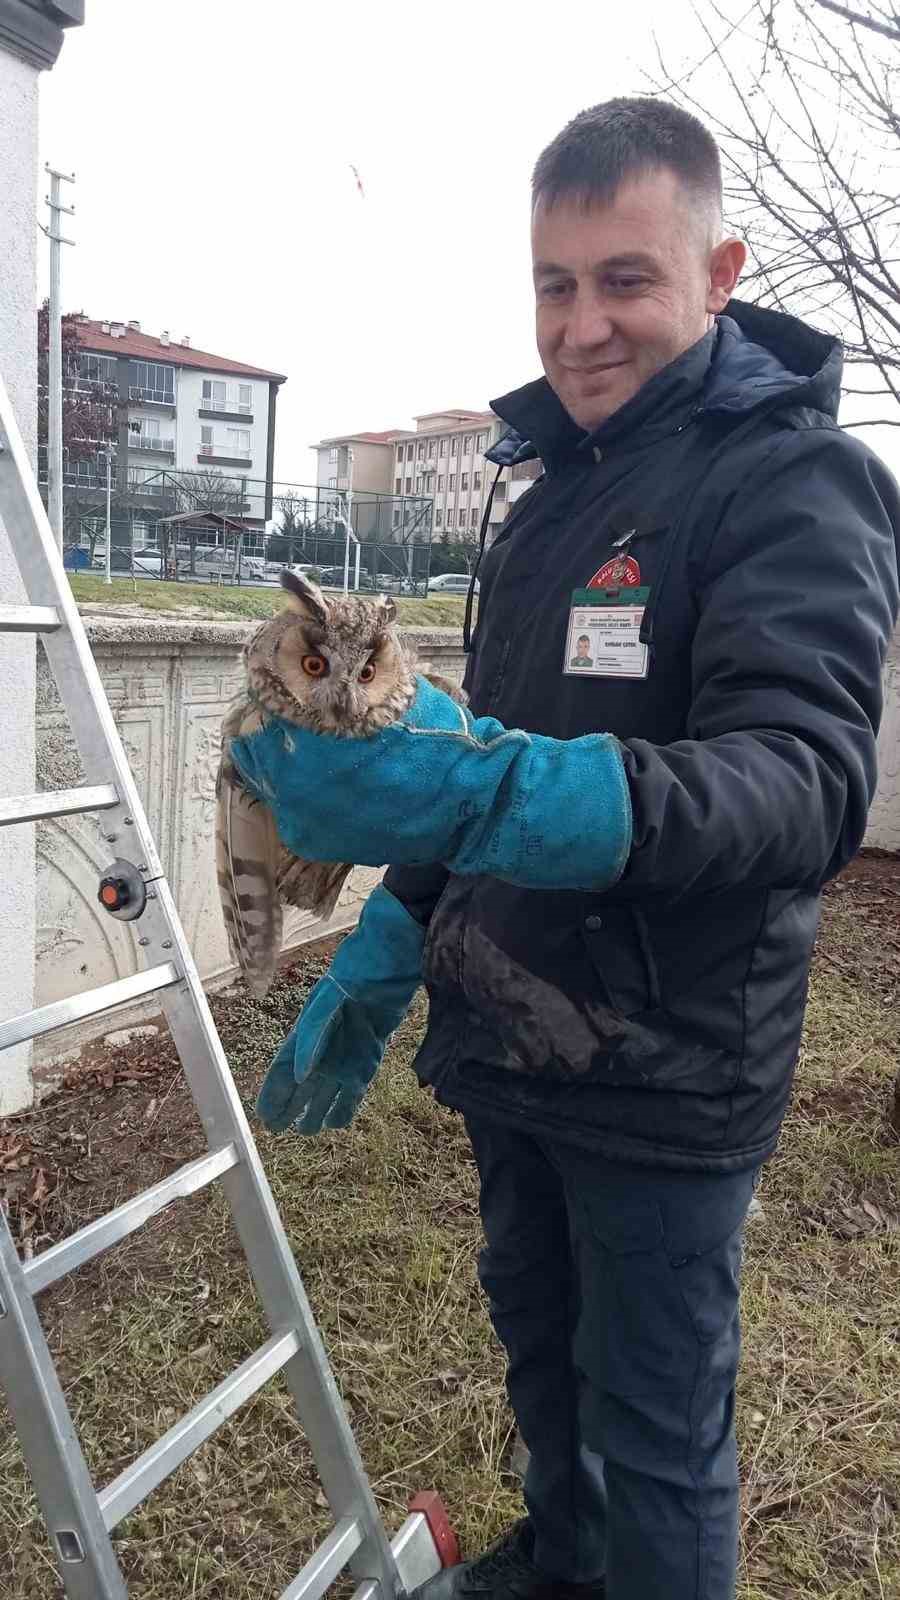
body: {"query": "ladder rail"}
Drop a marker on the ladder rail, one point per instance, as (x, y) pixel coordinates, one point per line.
(44, 1425)
(67, 649)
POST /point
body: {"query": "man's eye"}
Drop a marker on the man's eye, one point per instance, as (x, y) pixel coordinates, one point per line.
(627, 285)
(553, 291)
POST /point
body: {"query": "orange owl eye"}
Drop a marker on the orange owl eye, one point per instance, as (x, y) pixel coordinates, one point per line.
(368, 672)
(314, 666)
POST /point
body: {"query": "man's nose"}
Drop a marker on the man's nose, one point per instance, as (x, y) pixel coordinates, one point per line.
(588, 323)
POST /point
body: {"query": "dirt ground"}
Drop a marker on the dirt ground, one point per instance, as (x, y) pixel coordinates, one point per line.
(383, 1220)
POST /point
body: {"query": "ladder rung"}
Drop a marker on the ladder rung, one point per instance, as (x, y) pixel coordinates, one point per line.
(88, 1242)
(29, 619)
(60, 1013)
(57, 803)
(148, 1472)
(328, 1562)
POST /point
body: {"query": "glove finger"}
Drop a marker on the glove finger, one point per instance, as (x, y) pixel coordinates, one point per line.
(344, 1108)
(314, 1114)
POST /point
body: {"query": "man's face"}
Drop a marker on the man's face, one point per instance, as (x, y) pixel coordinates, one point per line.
(582, 647)
(623, 289)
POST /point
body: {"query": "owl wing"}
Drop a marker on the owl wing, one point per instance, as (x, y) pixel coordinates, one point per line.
(311, 885)
(247, 858)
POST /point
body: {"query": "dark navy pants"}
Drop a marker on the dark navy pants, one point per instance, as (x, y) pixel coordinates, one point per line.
(614, 1291)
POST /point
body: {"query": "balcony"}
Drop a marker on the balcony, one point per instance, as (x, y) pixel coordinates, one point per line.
(224, 453)
(143, 442)
(151, 397)
(227, 412)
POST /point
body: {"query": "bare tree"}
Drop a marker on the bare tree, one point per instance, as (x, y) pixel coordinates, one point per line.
(811, 143)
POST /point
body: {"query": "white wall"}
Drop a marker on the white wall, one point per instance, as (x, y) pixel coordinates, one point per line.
(18, 235)
(189, 423)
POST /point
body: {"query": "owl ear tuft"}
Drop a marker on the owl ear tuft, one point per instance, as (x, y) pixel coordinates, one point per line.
(388, 606)
(304, 597)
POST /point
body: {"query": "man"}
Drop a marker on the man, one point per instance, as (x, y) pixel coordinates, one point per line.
(582, 657)
(620, 930)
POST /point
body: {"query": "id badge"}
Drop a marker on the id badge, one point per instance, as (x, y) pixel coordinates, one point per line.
(603, 636)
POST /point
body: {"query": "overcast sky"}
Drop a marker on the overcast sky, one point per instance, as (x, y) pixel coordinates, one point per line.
(212, 143)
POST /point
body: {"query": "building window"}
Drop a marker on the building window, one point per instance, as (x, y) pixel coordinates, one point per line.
(440, 483)
(442, 448)
(91, 369)
(464, 481)
(398, 485)
(438, 517)
(482, 441)
(217, 396)
(476, 480)
(332, 456)
(454, 447)
(409, 486)
(409, 451)
(238, 442)
(206, 440)
(467, 445)
(451, 483)
(432, 448)
(396, 516)
(461, 518)
(332, 483)
(421, 452)
(473, 517)
(150, 380)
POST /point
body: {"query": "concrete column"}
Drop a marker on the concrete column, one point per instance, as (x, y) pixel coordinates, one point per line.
(18, 365)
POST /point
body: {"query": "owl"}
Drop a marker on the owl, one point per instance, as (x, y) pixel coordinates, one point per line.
(336, 666)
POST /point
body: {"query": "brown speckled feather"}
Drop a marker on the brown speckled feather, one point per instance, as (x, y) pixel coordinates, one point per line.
(256, 873)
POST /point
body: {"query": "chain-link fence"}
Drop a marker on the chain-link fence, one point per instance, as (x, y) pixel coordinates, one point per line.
(205, 526)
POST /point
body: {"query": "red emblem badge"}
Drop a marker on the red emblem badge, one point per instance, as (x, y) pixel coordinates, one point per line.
(622, 572)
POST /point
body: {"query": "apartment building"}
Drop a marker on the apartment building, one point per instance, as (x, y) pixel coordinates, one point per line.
(181, 409)
(442, 459)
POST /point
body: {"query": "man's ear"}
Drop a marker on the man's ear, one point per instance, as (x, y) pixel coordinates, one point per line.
(725, 267)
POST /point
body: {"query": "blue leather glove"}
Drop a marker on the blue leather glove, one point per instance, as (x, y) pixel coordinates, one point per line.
(438, 786)
(319, 1076)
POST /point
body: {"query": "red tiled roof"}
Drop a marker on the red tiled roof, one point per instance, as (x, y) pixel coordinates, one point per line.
(146, 347)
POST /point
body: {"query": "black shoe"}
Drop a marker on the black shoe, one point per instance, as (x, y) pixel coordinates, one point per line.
(505, 1571)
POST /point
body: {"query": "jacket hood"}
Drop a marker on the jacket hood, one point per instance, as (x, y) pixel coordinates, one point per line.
(753, 359)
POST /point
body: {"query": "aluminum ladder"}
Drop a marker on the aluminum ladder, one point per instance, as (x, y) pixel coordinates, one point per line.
(80, 1518)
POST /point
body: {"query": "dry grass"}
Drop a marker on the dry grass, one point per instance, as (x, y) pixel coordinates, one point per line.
(384, 1223)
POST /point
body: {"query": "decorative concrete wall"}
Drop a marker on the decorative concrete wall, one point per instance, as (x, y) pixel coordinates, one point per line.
(169, 684)
(884, 819)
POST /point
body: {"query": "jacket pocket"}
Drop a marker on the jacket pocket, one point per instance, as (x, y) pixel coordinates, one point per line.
(618, 944)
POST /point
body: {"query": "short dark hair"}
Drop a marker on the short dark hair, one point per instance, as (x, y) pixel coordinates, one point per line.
(582, 639)
(620, 139)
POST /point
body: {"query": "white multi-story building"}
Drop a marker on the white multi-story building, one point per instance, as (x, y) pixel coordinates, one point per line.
(180, 410)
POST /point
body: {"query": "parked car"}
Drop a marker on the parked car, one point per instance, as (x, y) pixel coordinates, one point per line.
(147, 563)
(450, 583)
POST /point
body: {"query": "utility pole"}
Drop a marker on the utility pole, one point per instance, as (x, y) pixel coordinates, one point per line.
(54, 421)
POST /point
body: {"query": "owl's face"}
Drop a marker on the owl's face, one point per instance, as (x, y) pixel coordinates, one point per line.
(332, 664)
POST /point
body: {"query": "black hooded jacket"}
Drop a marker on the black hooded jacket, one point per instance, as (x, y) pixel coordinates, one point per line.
(659, 1022)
